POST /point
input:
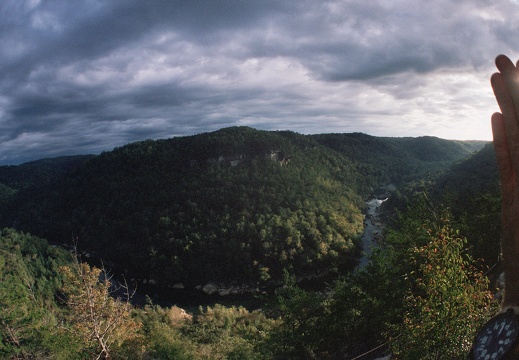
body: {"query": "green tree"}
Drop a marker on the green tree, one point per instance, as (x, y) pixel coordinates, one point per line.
(230, 333)
(448, 299)
(29, 326)
(20, 316)
(346, 320)
(298, 334)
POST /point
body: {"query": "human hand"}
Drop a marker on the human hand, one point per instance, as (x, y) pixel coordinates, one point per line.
(505, 129)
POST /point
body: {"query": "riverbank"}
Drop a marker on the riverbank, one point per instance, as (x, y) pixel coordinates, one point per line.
(373, 228)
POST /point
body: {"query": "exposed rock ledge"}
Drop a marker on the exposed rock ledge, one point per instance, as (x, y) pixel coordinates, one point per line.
(213, 288)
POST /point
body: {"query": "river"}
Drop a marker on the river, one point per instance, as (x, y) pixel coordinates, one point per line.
(372, 230)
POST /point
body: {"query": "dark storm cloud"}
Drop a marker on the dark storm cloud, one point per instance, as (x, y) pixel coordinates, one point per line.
(85, 76)
(368, 39)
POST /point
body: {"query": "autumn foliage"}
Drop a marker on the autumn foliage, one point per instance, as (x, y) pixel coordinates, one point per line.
(448, 298)
(99, 320)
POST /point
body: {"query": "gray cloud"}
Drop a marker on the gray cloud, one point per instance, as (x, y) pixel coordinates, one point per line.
(86, 76)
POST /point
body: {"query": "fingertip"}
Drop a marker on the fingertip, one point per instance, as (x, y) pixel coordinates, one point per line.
(501, 58)
(503, 63)
(496, 116)
(498, 86)
(495, 77)
(496, 120)
(498, 127)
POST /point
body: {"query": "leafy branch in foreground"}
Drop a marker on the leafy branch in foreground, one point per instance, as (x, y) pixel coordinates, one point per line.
(447, 299)
(100, 321)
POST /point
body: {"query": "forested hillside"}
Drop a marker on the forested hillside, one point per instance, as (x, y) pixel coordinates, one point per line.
(35, 177)
(242, 206)
(53, 306)
(399, 160)
(471, 190)
(235, 206)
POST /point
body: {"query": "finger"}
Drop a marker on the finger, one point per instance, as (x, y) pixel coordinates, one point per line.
(503, 63)
(509, 117)
(503, 156)
(510, 74)
(503, 96)
(509, 213)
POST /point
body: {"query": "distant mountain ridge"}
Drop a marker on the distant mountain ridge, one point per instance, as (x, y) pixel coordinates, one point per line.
(237, 205)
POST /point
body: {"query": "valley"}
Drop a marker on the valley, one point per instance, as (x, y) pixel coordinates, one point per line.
(239, 220)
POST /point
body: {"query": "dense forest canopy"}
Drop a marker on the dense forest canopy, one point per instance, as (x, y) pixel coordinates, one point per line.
(237, 205)
(242, 206)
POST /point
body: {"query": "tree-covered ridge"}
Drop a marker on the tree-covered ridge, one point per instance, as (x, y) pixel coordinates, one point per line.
(53, 306)
(39, 171)
(383, 160)
(475, 175)
(278, 202)
(35, 176)
(471, 189)
(235, 205)
(179, 210)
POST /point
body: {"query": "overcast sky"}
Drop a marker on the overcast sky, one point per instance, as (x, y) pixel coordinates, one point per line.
(86, 76)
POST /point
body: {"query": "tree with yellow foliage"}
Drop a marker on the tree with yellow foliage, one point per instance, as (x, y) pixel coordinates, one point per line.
(100, 321)
(447, 301)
